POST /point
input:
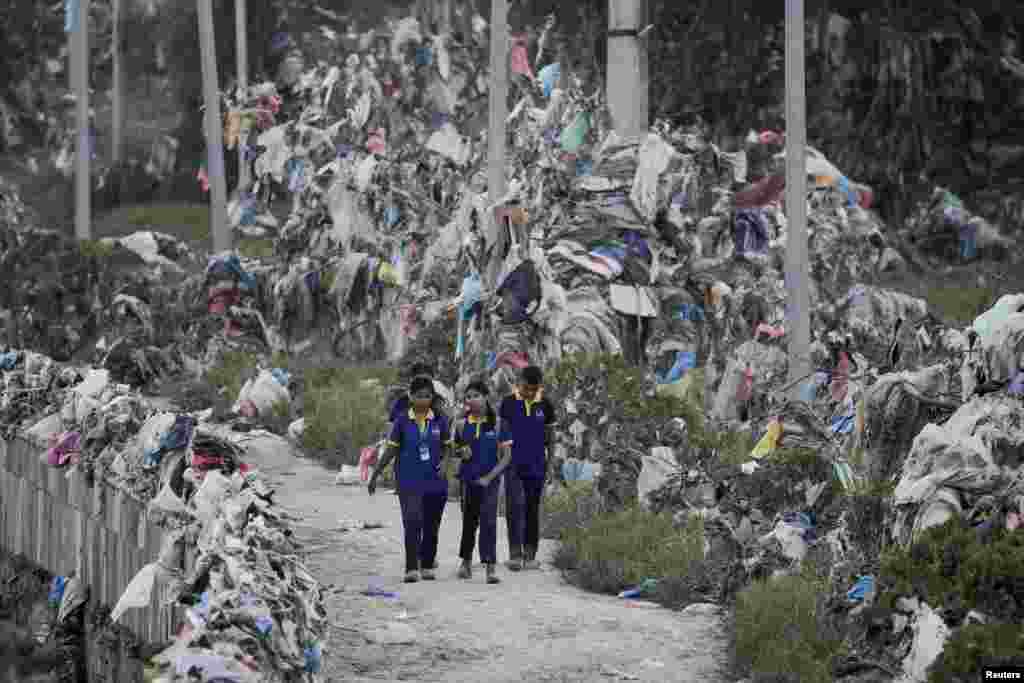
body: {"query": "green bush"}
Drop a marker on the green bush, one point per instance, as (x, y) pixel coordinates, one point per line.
(190, 222)
(780, 629)
(618, 550)
(977, 645)
(342, 415)
(231, 372)
(960, 304)
(260, 248)
(953, 565)
(572, 506)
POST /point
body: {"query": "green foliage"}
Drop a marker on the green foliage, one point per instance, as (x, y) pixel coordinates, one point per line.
(231, 372)
(953, 565)
(256, 248)
(620, 549)
(611, 376)
(190, 222)
(960, 305)
(976, 645)
(572, 506)
(95, 249)
(780, 628)
(345, 409)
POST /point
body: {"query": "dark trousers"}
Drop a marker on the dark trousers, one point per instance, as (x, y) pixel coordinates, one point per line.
(480, 510)
(522, 512)
(421, 519)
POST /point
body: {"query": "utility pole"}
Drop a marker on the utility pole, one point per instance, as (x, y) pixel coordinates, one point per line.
(117, 123)
(214, 131)
(626, 84)
(80, 65)
(242, 54)
(799, 317)
(498, 94)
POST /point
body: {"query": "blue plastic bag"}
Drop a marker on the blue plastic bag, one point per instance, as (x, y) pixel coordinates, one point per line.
(861, 589)
(685, 361)
(57, 587)
(313, 658)
(549, 76)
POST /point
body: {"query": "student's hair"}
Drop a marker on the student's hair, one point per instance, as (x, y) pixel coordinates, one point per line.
(421, 370)
(532, 375)
(420, 383)
(490, 416)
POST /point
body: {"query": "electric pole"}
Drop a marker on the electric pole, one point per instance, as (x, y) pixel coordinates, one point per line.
(626, 84)
(799, 317)
(219, 227)
(242, 54)
(498, 95)
(117, 122)
(83, 153)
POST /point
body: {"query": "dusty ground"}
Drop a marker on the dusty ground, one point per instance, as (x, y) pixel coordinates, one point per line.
(531, 627)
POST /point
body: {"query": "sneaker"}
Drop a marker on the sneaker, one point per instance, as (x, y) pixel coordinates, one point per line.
(428, 575)
(492, 576)
(531, 565)
(412, 576)
(465, 571)
(515, 564)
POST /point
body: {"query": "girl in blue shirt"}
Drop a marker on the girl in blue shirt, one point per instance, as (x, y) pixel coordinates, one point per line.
(480, 473)
(419, 439)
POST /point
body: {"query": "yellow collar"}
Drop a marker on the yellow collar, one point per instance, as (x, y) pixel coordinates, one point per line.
(476, 420)
(530, 404)
(422, 423)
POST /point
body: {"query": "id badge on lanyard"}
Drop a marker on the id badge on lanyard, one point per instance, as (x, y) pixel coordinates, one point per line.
(425, 443)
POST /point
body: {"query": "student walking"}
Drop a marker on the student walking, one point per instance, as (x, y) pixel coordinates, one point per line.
(419, 439)
(400, 405)
(526, 423)
(480, 474)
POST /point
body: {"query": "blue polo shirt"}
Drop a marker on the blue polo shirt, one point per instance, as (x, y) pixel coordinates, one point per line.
(418, 467)
(522, 424)
(482, 438)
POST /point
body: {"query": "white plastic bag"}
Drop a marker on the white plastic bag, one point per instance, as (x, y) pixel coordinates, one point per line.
(138, 593)
(207, 499)
(264, 391)
(168, 501)
(348, 476)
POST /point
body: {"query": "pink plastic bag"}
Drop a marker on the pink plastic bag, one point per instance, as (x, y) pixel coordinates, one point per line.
(367, 458)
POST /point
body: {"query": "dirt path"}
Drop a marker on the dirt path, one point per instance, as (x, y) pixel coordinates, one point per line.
(531, 627)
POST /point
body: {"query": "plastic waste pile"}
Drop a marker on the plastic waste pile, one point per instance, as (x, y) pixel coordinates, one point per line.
(255, 613)
(943, 228)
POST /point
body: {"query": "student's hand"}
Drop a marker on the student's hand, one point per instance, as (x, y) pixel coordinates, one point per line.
(371, 488)
(484, 481)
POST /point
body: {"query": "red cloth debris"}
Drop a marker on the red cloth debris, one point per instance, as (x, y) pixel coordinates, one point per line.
(764, 192)
(746, 388)
(519, 57)
(203, 462)
(516, 360)
(841, 378)
(367, 458)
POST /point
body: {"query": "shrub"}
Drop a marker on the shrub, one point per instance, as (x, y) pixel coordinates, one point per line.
(960, 304)
(618, 550)
(954, 565)
(232, 370)
(260, 248)
(780, 629)
(342, 416)
(572, 506)
(974, 646)
(189, 222)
